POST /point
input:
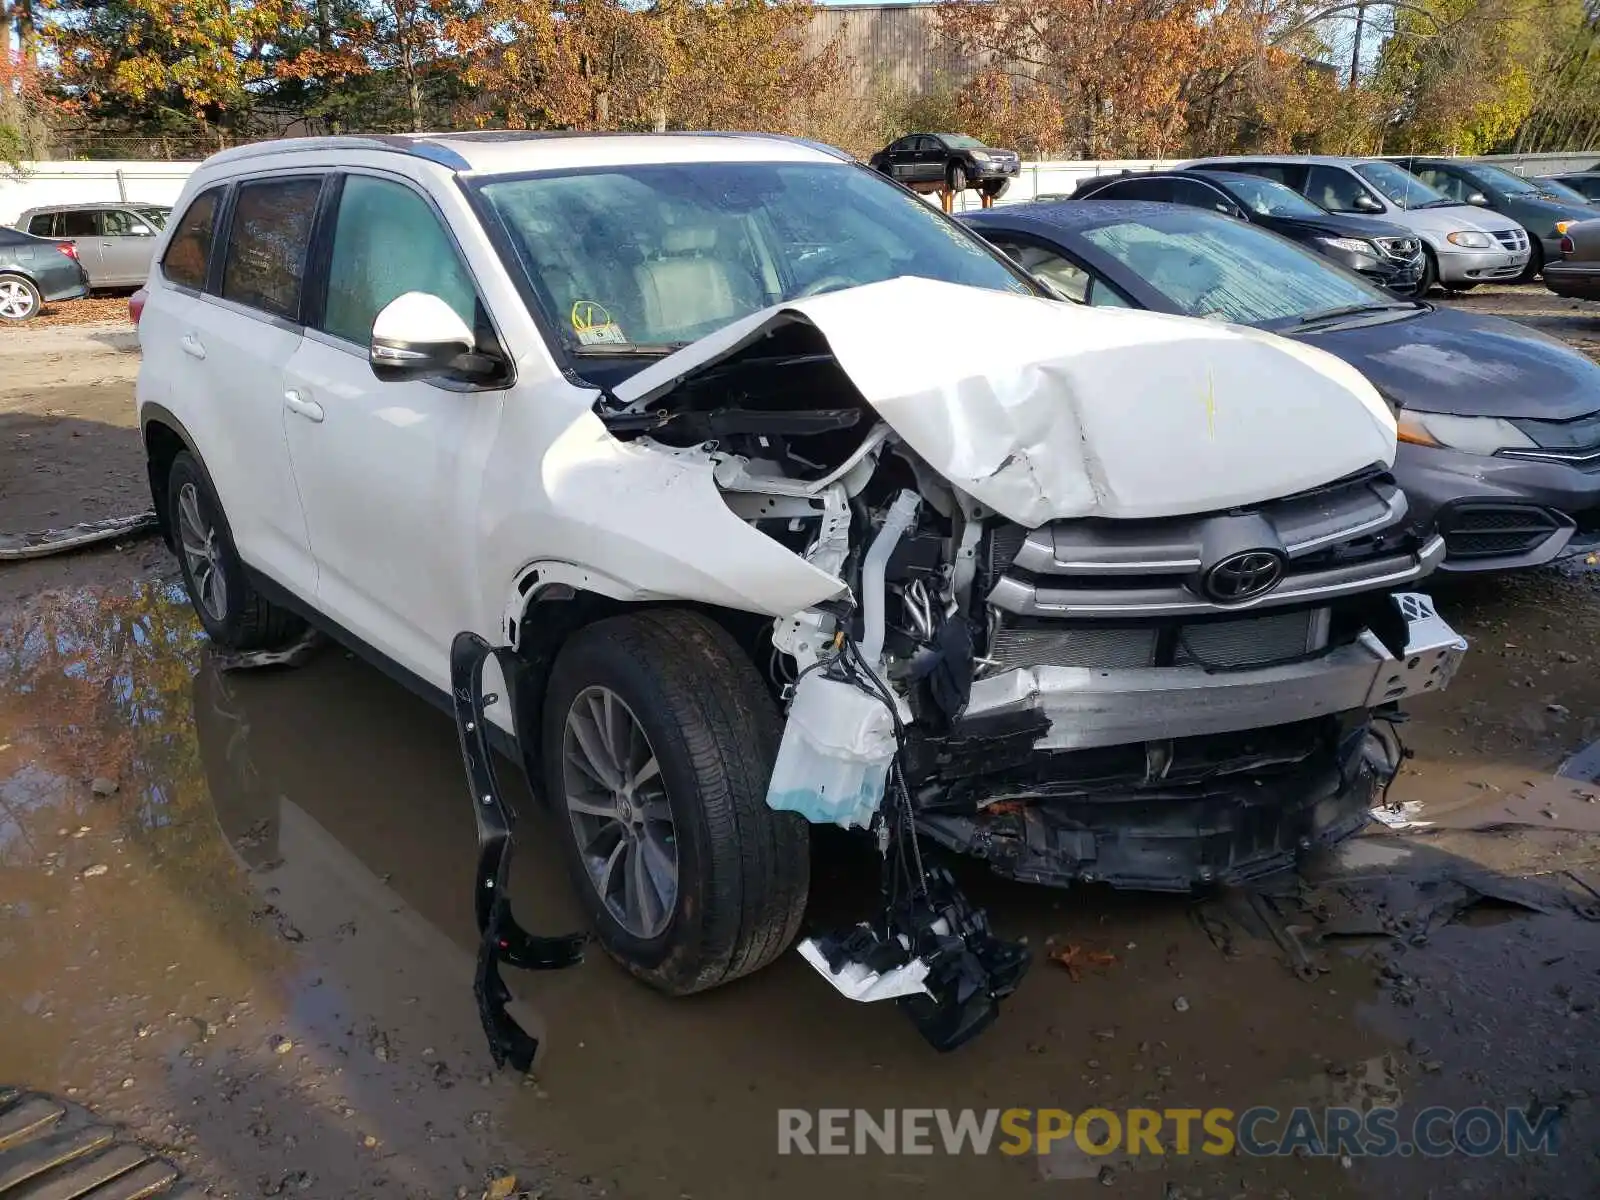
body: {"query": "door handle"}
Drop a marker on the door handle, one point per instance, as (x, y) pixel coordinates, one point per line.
(192, 347)
(309, 409)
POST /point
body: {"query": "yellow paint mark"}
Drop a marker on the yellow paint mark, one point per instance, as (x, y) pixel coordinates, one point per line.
(1211, 407)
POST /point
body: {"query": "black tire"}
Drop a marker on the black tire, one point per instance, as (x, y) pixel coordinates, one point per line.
(994, 188)
(742, 869)
(957, 178)
(237, 618)
(22, 300)
(1535, 262)
(1456, 289)
(1430, 274)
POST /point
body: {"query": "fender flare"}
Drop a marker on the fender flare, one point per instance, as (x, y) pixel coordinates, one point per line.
(556, 579)
(151, 413)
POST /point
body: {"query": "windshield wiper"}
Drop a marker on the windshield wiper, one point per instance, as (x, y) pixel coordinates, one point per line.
(1352, 310)
(1444, 202)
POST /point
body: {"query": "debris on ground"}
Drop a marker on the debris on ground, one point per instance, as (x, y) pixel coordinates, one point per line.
(1075, 958)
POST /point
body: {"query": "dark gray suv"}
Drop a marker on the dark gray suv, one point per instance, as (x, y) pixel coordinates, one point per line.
(1528, 202)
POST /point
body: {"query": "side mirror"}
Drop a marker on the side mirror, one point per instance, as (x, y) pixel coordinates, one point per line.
(417, 336)
(1478, 199)
(1365, 203)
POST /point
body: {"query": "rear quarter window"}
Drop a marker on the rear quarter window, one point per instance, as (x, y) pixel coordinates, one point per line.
(43, 225)
(188, 257)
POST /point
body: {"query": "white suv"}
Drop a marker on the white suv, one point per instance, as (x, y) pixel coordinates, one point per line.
(778, 497)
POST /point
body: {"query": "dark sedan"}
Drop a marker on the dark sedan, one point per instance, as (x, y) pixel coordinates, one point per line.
(1577, 274)
(34, 272)
(1386, 253)
(1585, 183)
(1499, 424)
(950, 161)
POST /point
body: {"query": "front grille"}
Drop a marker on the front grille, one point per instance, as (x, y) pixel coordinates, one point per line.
(1334, 541)
(1254, 641)
(1576, 441)
(1512, 239)
(1106, 649)
(1492, 530)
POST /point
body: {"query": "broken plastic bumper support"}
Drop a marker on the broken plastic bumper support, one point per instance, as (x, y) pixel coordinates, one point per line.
(503, 940)
(1112, 707)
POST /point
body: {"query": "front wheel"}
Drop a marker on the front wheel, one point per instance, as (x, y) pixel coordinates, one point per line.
(1535, 263)
(658, 744)
(1430, 274)
(958, 178)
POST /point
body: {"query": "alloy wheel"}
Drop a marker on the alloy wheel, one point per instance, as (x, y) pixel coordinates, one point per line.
(16, 300)
(202, 553)
(620, 814)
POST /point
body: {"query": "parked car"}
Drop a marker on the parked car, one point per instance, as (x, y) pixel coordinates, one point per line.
(1577, 272)
(114, 241)
(1462, 246)
(777, 497)
(925, 161)
(1584, 183)
(35, 272)
(1499, 425)
(1537, 209)
(1387, 254)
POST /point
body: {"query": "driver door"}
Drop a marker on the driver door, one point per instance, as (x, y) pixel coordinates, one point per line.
(389, 473)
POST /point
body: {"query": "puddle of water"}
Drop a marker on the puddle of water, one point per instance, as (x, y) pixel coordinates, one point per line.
(285, 920)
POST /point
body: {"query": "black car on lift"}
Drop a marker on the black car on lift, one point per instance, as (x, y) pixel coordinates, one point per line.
(1387, 254)
(951, 161)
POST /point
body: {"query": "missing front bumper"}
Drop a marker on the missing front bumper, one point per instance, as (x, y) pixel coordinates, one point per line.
(1087, 708)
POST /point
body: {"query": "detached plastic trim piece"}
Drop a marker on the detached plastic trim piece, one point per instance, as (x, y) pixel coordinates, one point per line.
(53, 1148)
(503, 940)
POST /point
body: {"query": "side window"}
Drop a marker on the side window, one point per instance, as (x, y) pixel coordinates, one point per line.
(1277, 172)
(388, 241)
(267, 243)
(1103, 295)
(1139, 189)
(116, 222)
(926, 145)
(1335, 189)
(79, 223)
(1068, 280)
(903, 146)
(43, 225)
(1201, 195)
(188, 257)
(1450, 184)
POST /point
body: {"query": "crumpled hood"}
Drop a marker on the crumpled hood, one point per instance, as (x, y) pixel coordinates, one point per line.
(1044, 410)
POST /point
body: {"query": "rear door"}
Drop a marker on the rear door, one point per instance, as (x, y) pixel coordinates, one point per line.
(237, 265)
(930, 158)
(81, 227)
(127, 241)
(901, 158)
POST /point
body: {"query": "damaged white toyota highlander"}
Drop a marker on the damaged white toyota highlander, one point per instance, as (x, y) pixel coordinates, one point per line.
(731, 488)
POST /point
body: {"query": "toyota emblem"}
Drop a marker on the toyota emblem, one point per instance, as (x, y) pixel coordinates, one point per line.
(1244, 576)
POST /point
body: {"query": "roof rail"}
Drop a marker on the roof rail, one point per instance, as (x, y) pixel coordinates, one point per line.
(417, 146)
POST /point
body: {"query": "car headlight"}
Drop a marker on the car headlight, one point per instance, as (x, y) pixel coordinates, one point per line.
(1349, 245)
(979, 156)
(1469, 239)
(1471, 435)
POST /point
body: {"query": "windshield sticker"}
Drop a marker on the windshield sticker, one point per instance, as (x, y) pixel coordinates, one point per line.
(594, 326)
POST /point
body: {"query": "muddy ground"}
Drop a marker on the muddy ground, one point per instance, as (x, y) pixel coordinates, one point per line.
(235, 916)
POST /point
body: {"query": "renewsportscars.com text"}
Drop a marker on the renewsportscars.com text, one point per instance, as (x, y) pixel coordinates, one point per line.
(1258, 1131)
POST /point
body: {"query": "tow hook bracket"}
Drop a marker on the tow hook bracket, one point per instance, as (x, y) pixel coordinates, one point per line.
(502, 939)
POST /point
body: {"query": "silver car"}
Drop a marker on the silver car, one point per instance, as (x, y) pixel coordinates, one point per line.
(1465, 246)
(115, 241)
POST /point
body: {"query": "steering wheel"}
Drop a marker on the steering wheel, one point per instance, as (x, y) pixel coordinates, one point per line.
(827, 283)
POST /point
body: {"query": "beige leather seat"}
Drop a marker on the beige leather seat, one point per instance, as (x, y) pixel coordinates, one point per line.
(688, 287)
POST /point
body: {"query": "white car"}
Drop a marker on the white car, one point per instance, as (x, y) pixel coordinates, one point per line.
(777, 497)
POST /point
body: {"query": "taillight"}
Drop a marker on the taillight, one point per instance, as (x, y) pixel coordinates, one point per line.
(136, 305)
(1566, 245)
(68, 248)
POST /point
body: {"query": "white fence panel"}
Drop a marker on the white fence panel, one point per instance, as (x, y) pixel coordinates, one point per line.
(42, 183)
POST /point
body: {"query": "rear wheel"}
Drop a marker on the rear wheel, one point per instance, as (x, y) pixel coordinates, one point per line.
(658, 744)
(957, 178)
(234, 614)
(994, 188)
(19, 299)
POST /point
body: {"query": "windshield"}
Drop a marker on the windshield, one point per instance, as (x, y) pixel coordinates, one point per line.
(960, 141)
(631, 257)
(1553, 187)
(1270, 198)
(1499, 177)
(1209, 266)
(1401, 186)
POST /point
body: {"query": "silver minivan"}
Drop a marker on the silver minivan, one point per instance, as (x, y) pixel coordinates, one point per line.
(115, 241)
(1464, 246)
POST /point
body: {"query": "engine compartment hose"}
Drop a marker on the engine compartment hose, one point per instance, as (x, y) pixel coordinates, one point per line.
(901, 514)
